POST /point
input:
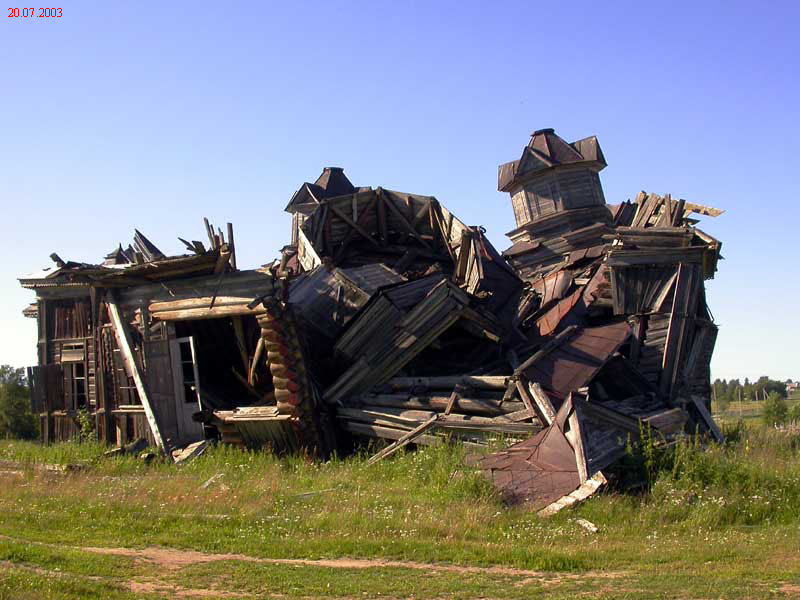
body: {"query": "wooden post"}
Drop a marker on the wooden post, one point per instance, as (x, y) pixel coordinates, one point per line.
(381, 216)
(125, 347)
(210, 231)
(463, 255)
(232, 245)
(238, 329)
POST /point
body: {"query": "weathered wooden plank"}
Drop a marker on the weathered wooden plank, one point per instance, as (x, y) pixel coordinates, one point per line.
(404, 440)
(685, 289)
(132, 369)
(577, 439)
(699, 404)
(521, 415)
(210, 231)
(223, 258)
(543, 403)
(231, 245)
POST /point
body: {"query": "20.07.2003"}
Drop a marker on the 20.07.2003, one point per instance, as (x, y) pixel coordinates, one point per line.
(31, 12)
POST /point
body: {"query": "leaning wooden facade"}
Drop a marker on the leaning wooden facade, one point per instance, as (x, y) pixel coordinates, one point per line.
(387, 317)
(122, 339)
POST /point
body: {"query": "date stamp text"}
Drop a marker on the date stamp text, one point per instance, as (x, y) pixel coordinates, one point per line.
(27, 13)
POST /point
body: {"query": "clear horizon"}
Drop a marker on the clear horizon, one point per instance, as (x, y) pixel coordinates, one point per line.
(118, 117)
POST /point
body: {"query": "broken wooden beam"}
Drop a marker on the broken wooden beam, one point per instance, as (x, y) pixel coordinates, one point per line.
(132, 369)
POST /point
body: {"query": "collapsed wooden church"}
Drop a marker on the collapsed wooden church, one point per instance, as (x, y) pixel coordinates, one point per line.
(388, 317)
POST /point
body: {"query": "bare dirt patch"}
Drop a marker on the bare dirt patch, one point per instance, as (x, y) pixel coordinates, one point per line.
(154, 587)
(791, 590)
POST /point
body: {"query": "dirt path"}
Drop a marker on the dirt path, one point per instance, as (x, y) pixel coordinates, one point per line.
(172, 559)
(175, 558)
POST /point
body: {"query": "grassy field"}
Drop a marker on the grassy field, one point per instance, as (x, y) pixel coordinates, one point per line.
(719, 523)
(746, 411)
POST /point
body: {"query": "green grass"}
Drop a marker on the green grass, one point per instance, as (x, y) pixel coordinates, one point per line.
(723, 521)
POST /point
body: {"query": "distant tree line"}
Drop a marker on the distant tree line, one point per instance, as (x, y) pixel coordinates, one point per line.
(727, 391)
(16, 419)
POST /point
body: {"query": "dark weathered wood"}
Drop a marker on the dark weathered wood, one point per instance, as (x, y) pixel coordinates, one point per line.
(679, 317)
(241, 343)
(364, 233)
(232, 246)
(356, 226)
(460, 274)
(457, 391)
(212, 240)
(489, 382)
(406, 225)
(381, 208)
(436, 214)
(700, 406)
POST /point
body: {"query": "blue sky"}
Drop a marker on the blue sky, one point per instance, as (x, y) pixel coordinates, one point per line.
(123, 115)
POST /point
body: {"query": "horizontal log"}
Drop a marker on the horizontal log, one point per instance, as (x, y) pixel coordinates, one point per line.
(240, 283)
(202, 302)
(412, 418)
(403, 418)
(474, 406)
(488, 382)
(206, 313)
(656, 256)
(389, 433)
(493, 427)
(522, 415)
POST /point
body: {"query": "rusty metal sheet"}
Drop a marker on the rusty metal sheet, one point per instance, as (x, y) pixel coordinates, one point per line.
(538, 471)
(553, 286)
(574, 305)
(573, 364)
(550, 320)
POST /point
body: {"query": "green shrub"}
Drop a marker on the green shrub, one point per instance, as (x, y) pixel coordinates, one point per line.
(794, 414)
(85, 426)
(775, 410)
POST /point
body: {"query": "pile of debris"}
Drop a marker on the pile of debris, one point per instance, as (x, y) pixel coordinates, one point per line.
(387, 317)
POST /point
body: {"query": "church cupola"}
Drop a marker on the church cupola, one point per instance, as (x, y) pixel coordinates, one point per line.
(553, 177)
